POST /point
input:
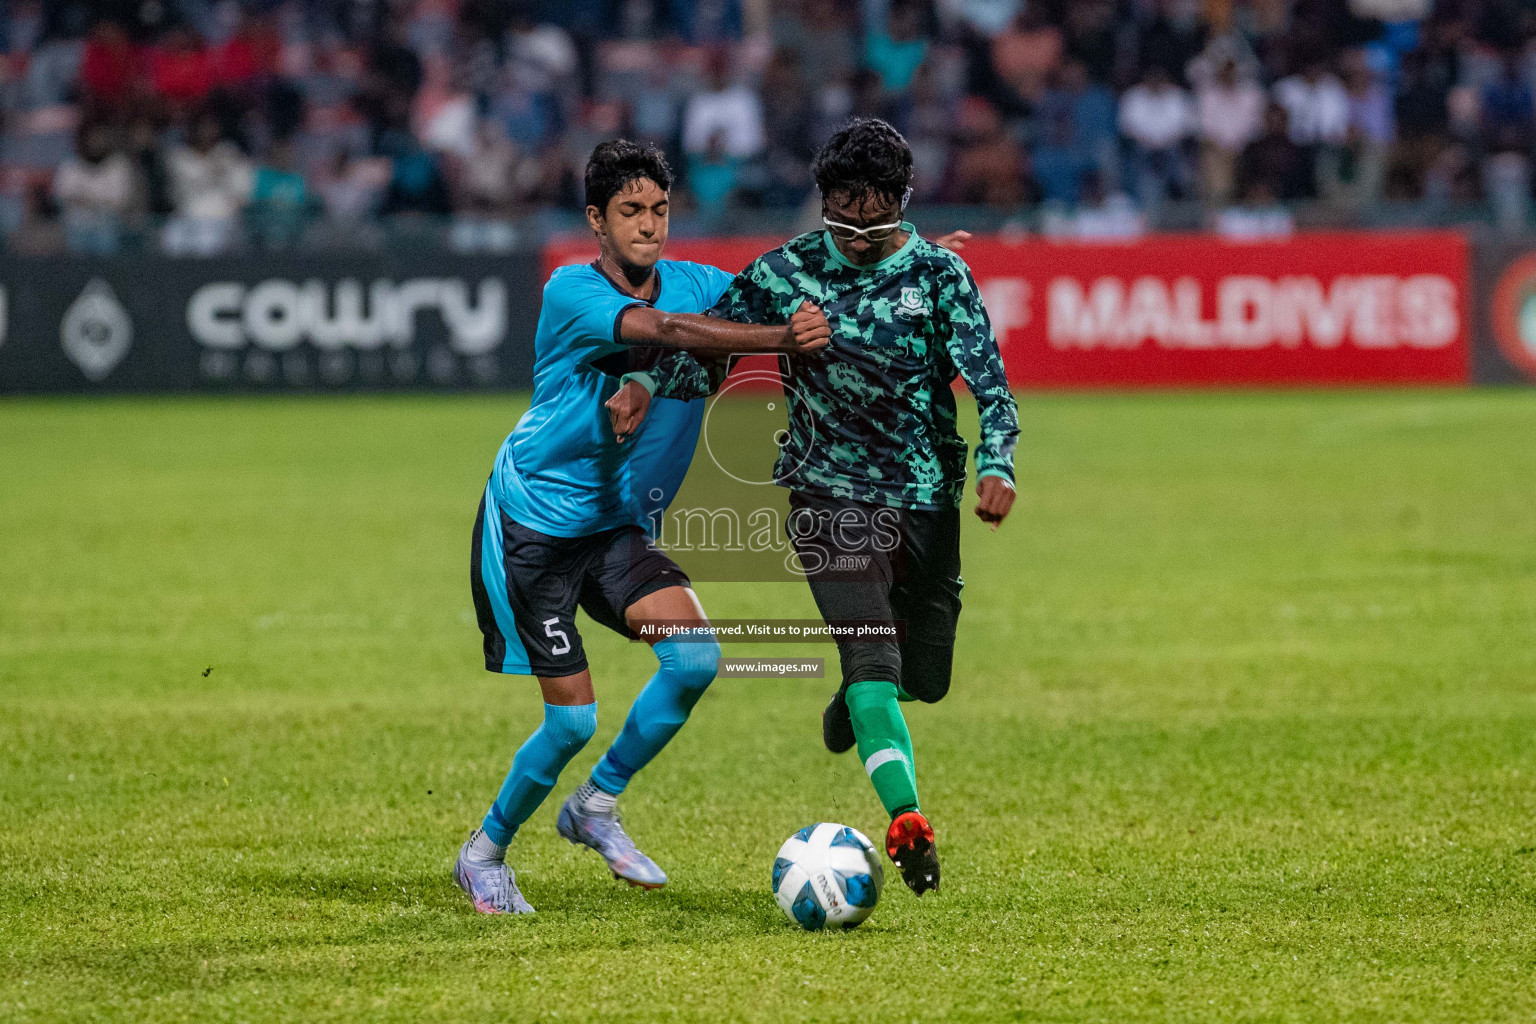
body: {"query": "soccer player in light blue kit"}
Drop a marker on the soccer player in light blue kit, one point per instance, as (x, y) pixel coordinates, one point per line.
(559, 523)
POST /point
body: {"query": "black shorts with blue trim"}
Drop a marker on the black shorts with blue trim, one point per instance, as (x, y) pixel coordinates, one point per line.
(527, 586)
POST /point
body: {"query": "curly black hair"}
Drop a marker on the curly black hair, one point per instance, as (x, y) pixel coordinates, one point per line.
(616, 163)
(867, 158)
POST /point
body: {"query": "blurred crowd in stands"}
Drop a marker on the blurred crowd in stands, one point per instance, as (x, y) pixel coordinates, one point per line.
(203, 125)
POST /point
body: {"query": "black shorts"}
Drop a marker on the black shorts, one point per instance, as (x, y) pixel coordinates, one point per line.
(527, 586)
(875, 563)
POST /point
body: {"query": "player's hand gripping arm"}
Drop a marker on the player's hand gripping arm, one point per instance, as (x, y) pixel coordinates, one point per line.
(676, 375)
(742, 308)
(806, 332)
(973, 348)
(698, 370)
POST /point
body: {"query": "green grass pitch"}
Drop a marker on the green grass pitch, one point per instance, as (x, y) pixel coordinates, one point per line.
(1242, 729)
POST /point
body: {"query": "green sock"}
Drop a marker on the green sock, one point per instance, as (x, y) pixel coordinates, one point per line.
(885, 746)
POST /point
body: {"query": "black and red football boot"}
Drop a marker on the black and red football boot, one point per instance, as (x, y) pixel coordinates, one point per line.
(910, 844)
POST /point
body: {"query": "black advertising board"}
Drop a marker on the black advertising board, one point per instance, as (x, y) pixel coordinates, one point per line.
(408, 321)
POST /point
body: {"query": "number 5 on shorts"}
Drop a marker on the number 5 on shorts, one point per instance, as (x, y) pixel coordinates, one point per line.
(563, 644)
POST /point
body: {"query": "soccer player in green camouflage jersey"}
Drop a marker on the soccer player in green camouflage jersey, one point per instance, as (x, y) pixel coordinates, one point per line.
(875, 465)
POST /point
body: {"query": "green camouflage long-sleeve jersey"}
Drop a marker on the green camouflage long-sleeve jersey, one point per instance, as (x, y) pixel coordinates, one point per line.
(872, 416)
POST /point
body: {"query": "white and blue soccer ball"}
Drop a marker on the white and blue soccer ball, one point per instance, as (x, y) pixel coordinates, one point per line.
(827, 876)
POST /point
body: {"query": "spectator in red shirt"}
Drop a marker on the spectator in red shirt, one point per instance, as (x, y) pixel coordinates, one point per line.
(250, 54)
(108, 65)
(181, 70)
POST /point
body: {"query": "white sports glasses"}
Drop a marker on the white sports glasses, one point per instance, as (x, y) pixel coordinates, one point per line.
(875, 232)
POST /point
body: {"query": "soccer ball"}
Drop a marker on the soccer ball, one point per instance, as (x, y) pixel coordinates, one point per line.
(827, 875)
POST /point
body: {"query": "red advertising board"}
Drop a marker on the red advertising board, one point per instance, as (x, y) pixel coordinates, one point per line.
(1186, 310)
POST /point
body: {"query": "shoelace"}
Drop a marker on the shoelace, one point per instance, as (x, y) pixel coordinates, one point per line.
(616, 835)
(500, 889)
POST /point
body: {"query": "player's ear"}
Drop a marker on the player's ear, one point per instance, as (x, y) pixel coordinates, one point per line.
(595, 219)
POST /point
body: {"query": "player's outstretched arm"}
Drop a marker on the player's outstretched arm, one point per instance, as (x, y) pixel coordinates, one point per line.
(806, 332)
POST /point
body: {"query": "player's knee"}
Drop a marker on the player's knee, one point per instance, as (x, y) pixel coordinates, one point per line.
(691, 662)
(926, 668)
(870, 662)
(569, 728)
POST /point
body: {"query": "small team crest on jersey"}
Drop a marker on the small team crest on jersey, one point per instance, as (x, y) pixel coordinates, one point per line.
(912, 302)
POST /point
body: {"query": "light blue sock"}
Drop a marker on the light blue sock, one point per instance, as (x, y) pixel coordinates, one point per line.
(565, 731)
(687, 668)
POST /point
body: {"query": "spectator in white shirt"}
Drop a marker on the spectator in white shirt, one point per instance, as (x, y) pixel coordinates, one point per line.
(732, 111)
(95, 191)
(1230, 109)
(1157, 117)
(543, 57)
(210, 185)
(1317, 104)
